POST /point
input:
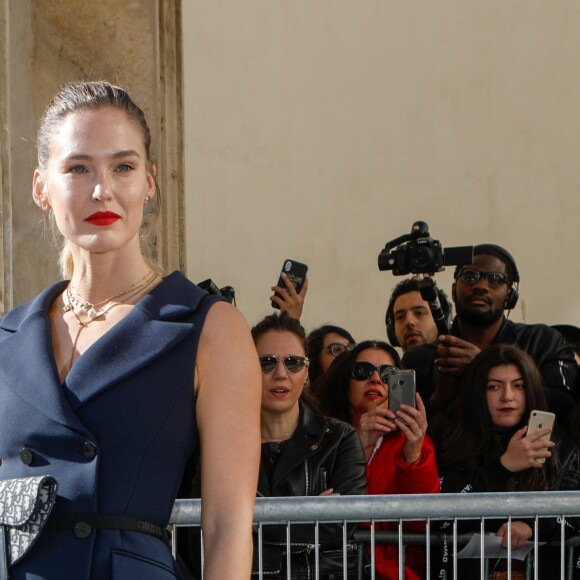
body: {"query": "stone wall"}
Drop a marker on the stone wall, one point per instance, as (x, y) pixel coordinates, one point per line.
(43, 45)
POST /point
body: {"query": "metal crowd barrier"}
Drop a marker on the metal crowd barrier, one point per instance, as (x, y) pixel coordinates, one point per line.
(403, 508)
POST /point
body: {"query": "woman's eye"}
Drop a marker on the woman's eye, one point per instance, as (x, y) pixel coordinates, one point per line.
(77, 169)
(492, 387)
(519, 386)
(124, 167)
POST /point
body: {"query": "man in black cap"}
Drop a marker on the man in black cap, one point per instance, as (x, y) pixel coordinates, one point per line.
(482, 291)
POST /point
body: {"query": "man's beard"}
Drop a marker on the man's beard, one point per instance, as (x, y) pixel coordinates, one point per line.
(477, 318)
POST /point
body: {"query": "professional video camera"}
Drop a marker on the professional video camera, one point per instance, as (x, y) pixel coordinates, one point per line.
(419, 254)
(211, 287)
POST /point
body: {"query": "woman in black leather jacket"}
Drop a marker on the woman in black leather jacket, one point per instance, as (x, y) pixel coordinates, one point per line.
(303, 453)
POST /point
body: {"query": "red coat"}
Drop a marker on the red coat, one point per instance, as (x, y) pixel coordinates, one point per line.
(389, 473)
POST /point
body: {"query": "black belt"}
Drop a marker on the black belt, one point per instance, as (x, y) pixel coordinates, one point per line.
(83, 524)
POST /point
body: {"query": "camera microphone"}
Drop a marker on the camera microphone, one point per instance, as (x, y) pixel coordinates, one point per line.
(429, 293)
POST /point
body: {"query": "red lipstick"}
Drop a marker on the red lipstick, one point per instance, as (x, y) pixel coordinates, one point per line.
(103, 218)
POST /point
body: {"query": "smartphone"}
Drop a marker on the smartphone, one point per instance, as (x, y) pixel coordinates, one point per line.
(541, 420)
(402, 388)
(296, 272)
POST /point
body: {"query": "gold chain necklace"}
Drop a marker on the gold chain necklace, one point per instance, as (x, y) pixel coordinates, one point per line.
(108, 306)
(96, 310)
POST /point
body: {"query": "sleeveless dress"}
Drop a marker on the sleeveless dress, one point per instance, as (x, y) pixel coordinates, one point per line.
(116, 434)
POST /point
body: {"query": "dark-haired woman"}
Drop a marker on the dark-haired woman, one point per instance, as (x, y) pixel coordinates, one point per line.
(486, 447)
(399, 454)
(303, 453)
(325, 343)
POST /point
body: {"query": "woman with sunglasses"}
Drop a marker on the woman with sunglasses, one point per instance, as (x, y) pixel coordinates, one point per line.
(399, 454)
(325, 343)
(303, 453)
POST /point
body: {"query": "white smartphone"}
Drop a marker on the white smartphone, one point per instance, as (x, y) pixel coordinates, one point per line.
(541, 420)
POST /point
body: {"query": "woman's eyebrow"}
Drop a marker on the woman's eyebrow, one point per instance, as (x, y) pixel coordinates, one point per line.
(115, 155)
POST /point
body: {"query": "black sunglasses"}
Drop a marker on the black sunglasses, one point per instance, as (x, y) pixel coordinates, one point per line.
(336, 348)
(493, 279)
(362, 371)
(292, 362)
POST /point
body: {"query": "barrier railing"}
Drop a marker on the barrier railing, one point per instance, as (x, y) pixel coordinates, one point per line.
(404, 508)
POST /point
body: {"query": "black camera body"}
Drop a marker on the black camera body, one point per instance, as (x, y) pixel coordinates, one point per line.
(419, 253)
(212, 288)
(421, 256)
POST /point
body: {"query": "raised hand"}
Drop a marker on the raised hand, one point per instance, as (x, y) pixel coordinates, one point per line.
(375, 422)
(454, 355)
(288, 299)
(524, 451)
(413, 423)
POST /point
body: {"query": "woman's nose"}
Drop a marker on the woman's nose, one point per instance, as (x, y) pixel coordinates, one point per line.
(101, 191)
(507, 394)
(280, 371)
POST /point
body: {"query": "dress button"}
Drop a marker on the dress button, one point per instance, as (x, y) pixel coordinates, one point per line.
(82, 530)
(26, 456)
(89, 450)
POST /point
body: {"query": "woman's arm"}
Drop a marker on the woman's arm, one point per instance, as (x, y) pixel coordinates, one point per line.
(228, 418)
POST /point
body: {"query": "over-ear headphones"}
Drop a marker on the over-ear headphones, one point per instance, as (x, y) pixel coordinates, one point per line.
(501, 253)
(390, 317)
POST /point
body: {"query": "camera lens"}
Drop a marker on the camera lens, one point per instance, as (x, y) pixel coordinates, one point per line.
(421, 257)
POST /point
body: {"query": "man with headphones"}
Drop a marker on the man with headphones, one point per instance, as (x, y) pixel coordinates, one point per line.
(482, 291)
(408, 318)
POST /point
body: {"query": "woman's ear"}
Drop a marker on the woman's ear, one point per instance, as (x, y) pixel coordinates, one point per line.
(40, 191)
(152, 189)
(453, 292)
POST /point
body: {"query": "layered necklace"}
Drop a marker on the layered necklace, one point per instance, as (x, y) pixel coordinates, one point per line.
(96, 311)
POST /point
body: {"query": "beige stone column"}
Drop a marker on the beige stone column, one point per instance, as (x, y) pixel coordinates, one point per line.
(44, 44)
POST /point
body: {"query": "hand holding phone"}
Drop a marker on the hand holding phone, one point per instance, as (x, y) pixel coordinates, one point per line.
(402, 389)
(295, 273)
(522, 450)
(541, 420)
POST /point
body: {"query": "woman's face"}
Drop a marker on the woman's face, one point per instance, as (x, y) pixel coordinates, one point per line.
(506, 395)
(362, 393)
(281, 388)
(96, 180)
(326, 355)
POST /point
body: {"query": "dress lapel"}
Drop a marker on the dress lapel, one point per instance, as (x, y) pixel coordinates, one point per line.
(27, 364)
(157, 323)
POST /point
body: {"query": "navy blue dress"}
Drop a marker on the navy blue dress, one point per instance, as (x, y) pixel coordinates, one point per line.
(116, 434)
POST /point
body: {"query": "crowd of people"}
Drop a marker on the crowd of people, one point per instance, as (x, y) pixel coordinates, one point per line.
(117, 381)
(477, 387)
